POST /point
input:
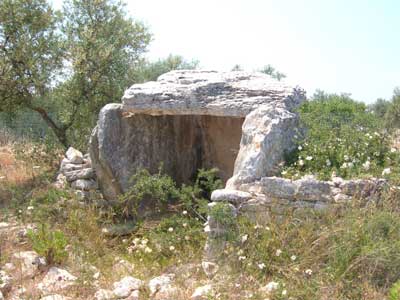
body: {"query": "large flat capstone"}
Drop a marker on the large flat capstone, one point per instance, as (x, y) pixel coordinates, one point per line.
(239, 122)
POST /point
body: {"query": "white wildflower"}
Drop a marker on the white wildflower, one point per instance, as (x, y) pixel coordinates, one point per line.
(346, 157)
(301, 162)
(284, 292)
(170, 229)
(261, 266)
(148, 250)
(278, 252)
(366, 165)
(300, 148)
(386, 171)
(393, 150)
(185, 212)
(271, 286)
(308, 272)
(244, 238)
(309, 158)
(171, 248)
(30, 208)
(241, 258)
(184, 225)
(293, 257)
(328, 163)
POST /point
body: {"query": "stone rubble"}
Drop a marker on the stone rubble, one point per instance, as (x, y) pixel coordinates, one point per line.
(56, 280)
(76, 171)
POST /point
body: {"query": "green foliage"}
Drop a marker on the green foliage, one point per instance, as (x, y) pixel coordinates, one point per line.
(367, 246)
(177, 236)
(149, 71)
(270, 70)
(158, 188)
(339, 135)
(394, 293)
(57, 64)
(49, 244)
(392, 115)
(379, 107)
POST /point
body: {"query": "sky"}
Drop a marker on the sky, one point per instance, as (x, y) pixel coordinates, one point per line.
(349, 46)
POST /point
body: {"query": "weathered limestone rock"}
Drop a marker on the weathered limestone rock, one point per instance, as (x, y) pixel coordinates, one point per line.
(103, 294)
(126, 285)
(84, 184)
(28, 262)
(55, 297)
(56, 280)
(203, 292)
(5, 282)
(193, 119)
(231, 196)
(74, 156)
(162, 287)
(86, 173)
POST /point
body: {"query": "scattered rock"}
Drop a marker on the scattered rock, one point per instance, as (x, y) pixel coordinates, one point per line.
(86, 173)
(203, 292)
(55, 297)
(104, 295)
(74, 156)
(232, 196)
(125, 286)
(161, 287)
(84, 184)
(123, 267)
(28, 262)
(5, 282)
(269, 288)
(133, 296)
(210, 268)
(56, 280)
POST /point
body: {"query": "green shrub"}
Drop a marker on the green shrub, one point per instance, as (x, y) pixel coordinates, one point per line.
(49, 244)
(394, 293)
(339, 135)
(161, 189)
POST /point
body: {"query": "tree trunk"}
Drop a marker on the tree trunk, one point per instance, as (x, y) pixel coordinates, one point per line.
(60, 132)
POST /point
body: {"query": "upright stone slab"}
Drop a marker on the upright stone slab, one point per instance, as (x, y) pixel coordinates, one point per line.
(239, 122)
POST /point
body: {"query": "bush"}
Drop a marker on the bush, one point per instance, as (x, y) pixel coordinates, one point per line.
(50, 244)
(161, 189)
(339, 135)
(157, 187)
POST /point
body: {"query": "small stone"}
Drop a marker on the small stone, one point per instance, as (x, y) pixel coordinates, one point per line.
(1, 296)
(231, 196)
(133, 296)
(103, 294)
(123, 267)
(55, 297)
(202, 292)
(210, 268)
(161, 284)
(9, 267)
(269, 288)
(84, 184)
(5, 282)
(74, 156)
(86, 173)
(126, 285)
(28, 262)
(56, 280)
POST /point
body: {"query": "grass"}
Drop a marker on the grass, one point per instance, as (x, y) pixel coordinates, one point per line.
(349, 253)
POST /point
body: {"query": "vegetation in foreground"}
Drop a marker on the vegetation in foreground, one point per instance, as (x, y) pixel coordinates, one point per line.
(348, 253)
